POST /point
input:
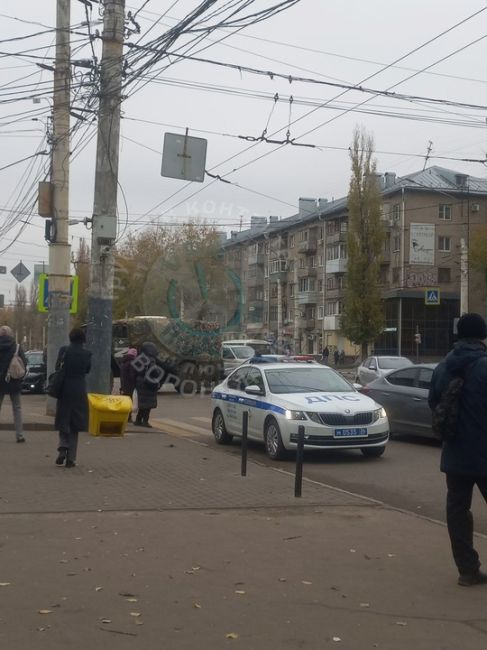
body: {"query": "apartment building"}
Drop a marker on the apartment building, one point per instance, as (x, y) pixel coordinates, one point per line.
(291, 272)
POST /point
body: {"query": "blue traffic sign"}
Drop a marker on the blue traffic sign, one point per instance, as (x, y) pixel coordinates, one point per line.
(432, 297)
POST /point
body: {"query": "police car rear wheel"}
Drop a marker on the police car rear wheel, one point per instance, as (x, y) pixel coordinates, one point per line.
(372, 452)
(273, 441)
(220, 432)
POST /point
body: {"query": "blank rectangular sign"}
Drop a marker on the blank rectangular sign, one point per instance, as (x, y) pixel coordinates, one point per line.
(184, 157)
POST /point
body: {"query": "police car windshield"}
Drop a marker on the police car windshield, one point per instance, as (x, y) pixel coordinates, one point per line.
(305, 380)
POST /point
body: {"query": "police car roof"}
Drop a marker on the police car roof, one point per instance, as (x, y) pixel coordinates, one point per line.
(279, 360)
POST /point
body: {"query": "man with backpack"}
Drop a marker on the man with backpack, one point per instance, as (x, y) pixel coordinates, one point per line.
(458, 398)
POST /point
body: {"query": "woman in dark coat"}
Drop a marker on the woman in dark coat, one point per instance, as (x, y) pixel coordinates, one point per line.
(128, 375)
(11, 387)
(72, 404)
(147, 382)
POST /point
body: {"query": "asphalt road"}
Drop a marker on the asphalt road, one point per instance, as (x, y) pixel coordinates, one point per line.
(406, 477)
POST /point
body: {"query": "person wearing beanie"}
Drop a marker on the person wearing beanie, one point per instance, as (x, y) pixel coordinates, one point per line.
(128, 374)
(464, 458)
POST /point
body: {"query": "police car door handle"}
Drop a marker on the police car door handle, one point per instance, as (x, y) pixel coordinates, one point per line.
(417, 399)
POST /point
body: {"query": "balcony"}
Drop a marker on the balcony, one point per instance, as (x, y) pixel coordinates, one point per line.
(337, 266)
(280, 276)
(307, 247)
(331, 323)
(256, 258)
(307, 297)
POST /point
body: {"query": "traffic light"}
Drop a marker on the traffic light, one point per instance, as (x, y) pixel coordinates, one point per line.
(417, 338)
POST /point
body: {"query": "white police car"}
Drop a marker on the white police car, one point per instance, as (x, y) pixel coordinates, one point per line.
(281, 396)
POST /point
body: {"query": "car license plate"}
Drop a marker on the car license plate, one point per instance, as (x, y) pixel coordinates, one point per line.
(356, 432)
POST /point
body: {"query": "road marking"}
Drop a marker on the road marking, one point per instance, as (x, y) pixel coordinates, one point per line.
(182, 427)
(205, 420)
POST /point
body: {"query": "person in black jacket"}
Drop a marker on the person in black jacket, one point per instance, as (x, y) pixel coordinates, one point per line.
(11, 387)
(464, 458)
(128, 375)
(72, 404)
(149, 374)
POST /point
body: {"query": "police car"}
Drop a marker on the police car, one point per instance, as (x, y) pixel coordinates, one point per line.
(281, 396)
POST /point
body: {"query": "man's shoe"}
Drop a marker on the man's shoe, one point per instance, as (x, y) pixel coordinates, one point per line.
(70, 463)
(471, 579)
(21, 439)
(147, 425)
(61, 458)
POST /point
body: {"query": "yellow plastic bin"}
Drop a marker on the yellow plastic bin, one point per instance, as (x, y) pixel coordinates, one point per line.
(108, 414)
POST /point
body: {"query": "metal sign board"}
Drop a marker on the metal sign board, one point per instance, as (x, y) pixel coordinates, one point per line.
(184, 157)
(3, 270)
(432, 297)
(43, 300)
(20, 272)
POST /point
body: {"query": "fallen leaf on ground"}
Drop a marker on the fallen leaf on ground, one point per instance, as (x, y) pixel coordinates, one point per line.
(4, 584)
(401, 623)
(353, 550)
(98, 588)
(131, 600)
(336, 638)
(196, 605)
(106, 620)
(240, 592)
(196, 568)
(282, 579)
(306, 582)
(231, 635)
(45, 611)
(138, 621)
(136, 614)
(364, 605)
(391, 555)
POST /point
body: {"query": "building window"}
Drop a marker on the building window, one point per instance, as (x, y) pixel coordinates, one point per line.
(273, 290)
(320, 286)
(303, 284)
(266, 271)
(321, 312)
(259, 294)
(339, 281)
(291, 290)
(444, 244)
(291, 265)
(396, 243)
(332, 308)
(277, 265)
(396, 212)
(273, 313)
(265, 294)
(303, 235)
(313, 262)
(444, 275)
(320, 233)
(291, 241)
(444, 211)
(320, 260)
(301, 262)
(266, 248)
(330, 283)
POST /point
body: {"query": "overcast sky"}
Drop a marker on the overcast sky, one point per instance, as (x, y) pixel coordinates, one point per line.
(343, 42)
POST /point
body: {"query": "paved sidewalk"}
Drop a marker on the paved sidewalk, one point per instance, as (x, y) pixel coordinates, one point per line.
(157, 542)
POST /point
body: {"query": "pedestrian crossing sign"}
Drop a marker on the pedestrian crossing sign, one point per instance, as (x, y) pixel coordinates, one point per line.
(43, 299)
(432, 296)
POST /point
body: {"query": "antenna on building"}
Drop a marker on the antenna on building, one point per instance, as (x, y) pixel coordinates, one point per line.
(428, 152)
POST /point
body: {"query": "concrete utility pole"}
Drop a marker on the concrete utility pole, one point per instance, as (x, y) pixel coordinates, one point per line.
(463, 277)
(59, 248)
(104, 232)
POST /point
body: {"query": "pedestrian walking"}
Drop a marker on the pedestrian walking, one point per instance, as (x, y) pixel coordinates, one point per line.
(336, 357)
(72, 403)
(147, 382)
(10, 381)
(325, 355)
(464, 457)
(128, 375)
(341, 357)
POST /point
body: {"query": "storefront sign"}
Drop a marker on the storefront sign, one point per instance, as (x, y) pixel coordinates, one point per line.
(422, 244)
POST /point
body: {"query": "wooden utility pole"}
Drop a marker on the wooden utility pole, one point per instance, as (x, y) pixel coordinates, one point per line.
(59, 248)
(104, 231)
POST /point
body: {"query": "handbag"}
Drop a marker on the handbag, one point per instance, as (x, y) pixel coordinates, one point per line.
(55, 380)
(16, 368)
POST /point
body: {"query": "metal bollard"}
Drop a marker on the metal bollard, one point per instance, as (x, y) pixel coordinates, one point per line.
(245, 429)
(298, 481)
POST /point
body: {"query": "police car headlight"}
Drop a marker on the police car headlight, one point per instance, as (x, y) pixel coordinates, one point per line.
(379, 414)
(314, 417)
(295, 415)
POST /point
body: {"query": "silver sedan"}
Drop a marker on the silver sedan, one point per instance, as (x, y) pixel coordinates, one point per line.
(379, 366)
(404, 395)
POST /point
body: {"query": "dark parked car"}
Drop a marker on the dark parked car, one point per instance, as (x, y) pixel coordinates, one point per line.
(35, 378)
(404, 395)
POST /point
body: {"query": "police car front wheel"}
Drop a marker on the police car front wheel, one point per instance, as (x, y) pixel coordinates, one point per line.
(220, 432)
(273, 440)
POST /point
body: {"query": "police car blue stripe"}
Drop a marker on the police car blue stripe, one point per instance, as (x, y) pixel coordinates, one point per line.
(246, 401)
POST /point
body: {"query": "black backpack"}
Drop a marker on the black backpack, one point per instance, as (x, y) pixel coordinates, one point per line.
(446, 413)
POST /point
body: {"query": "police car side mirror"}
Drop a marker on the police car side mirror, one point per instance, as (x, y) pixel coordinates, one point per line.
(254, 390)
(357, 386)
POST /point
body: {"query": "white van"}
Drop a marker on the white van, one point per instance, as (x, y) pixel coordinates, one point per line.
(235, 352)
